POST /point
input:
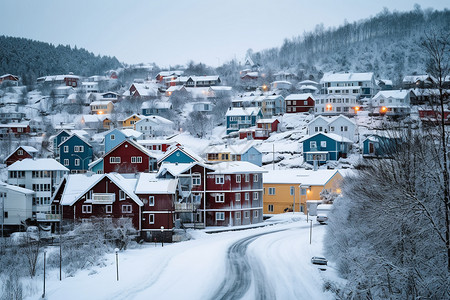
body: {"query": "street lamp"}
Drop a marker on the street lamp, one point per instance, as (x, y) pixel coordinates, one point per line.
(162, 236)
(117, 263)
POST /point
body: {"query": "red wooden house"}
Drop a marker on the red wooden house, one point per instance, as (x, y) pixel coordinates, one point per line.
(8, 77)
(262, 130)
(129, 157)
(16, 128)
(296, 103)
(20, 153)
(433, 116)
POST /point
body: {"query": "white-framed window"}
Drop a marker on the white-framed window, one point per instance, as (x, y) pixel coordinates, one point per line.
(220, 179)
(237, 196)
(20, 152)
(246, 214)
(196, 179)
(318, 128)
(247, 177)
(151, 200)
(271, 191)
(331, 128)
(136, 159)
(126, 208)
(237, 215)
(292, 191)
(313, 144)
(112, 137)
(151, 219)
(86, 209)
(247, 196)
(305, 102)
(238, 178)
(323, 144)
(255, 214)
(78, 148)
(66, 162)
(270, 208)
(77, 161)
(220, 216)
(303, 192)
(220, 198)
(66, 149)
(255, 178)
(255, 196)
(121, 195)
(114, 160)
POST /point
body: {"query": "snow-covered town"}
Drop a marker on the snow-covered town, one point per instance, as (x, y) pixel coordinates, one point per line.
(315, 170)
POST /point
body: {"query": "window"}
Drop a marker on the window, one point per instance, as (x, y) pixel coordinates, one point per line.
(121, 195)
(344, 128)
(237, 215)
(77, 161)
(313, 144)
(151, 201)
(126, 208)
(305, 102)
(109, 209)
(66, 149)
(270, 208)
(136, 159)
(238, 178)
(78, 148)
(5, 215)
(220, 198)
(255, 178)
(86, 209)
(246, 214)
(247, 196)
(114, 160)
(292, 191)
(255, 195)
(303, 191)
(220, 179)
(20, 152)
(247, 177)
(112, 137)
(66, 162)
(220, 216)
(196, 179)
(238, 197)
(323, 144)
(331, 128)
(255, 214)
(271, 191)
(151, 219)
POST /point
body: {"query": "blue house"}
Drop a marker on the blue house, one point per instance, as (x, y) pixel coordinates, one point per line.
(116, 136)
(243, 152)
(242, 117)
(96, 166)
(322, 147)
(57, 139)
(377, 146)
(75, 153)
(179, 154)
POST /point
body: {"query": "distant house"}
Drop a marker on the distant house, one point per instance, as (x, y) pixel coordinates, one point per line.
(379, 146)
(129, 121)
(357, 85)
(116, 136)
(280, 85)
(17, 206)
(203, 81)
(431, 116)
(16, 128)
(60, 80)
(129, 157)
(340, 125)
(222, 153)
(155, 108)
(160, 146)
(296, 103)
(419, 81)
(202, 106)
(322, 147)
(101, 107)
(152, 126)
(20, 153)
(384, 84)
(14, 80)
(161, 75)
(262, 130)
(142, 90)
(75, 153)
(238, 118)
(332, 105)
(392, 103)
(90, 87)
(98, 121)
(57, 139)
(11, 117)
(179, 154)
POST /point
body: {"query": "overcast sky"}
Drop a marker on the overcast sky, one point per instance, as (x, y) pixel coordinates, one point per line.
(176, 31)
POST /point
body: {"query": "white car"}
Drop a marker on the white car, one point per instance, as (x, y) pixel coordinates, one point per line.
(322, 219)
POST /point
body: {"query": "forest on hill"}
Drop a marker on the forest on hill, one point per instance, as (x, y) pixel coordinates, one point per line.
(31, 59)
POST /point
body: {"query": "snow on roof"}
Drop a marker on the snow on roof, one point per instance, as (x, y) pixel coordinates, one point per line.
(157, 119)
(80, 137)
(232, 149)
(185, 150)
(197, 92)
(156, 142)
(148, 183)
(260, 121)
(174, 88)
(415, 78)
(94, 118)
(27, 149)
(205, 78)
(299, 176)
(299, 96)
(95, 162)
(22, 124)
(307, 82)
(42, 164)
(146, 89)
(307, 87)
(104, 102)
(168, 73)
(240, 111)
(343, 77)
(332, 119)
(220, 88)
(18, 189)
(237, 167)
(332, 136)
(156, 104)
(177, 168)
(131, 133)
(385, 81)
(396, 94)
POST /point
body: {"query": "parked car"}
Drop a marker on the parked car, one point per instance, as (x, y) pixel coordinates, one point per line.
(322, 219)
(317, 260)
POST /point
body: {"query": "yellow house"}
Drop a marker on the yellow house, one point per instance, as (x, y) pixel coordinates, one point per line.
(130, 121)
(101, 107)
(296, 189)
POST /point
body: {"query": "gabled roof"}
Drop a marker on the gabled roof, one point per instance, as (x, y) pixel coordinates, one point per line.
(27, 149)
(331, 119)
(345, 77)
(303, 96)
(157, 120)
(75, 135)
(95, 162)
(131, 133)
(299, 176)
(156, 104)
(240, 111)
(42, 164)
(176, 169)
(332, 136)
(232, 149)
(149, 183)
(237, 167)
(134, 144)
(396, 94)
(133, 115)
(15, 188)
(185, 150)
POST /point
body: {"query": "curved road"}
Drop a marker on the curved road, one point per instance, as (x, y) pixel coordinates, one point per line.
(240, 272)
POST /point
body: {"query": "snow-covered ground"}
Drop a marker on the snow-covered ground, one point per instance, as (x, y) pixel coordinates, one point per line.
(272, 262)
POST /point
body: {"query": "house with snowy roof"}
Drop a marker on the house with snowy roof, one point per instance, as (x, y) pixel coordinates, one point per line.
(16, 206)
(261, 131)
(16, 128)
(20, 153)
(296, 103)
(158, 145)
(155, 108)
(129, 121)
(359, 85)
(75, 153)
(147, 90)
(380, 145)
(153, 126)
(336, 104)
(394, 103)
(243, 152)
(101, 107)
(202, 81)
(10, 79)
(242, 117)
(419, 81)
(116, 136)
(322, 147)
(97, 121)
(69, 80)
(160, 76)
(385, 84)
(179, 154)
(340, 125)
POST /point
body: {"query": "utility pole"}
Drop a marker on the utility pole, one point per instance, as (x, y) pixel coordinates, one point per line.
(3, 211)
(273, 156)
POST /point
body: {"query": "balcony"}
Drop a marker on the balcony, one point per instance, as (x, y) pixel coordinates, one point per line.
(189, 207)
(43, 217)
(103, 198)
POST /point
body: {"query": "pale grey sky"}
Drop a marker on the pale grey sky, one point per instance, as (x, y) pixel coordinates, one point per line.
(176, 31)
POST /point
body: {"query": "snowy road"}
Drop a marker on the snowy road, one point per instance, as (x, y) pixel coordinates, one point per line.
(272, 262)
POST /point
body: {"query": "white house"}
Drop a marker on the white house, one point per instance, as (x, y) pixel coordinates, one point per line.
(151, 126)
(336, 105)
(42, 176)
(392, 103)
(359, 85)
(340, 125)
(16, 205)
